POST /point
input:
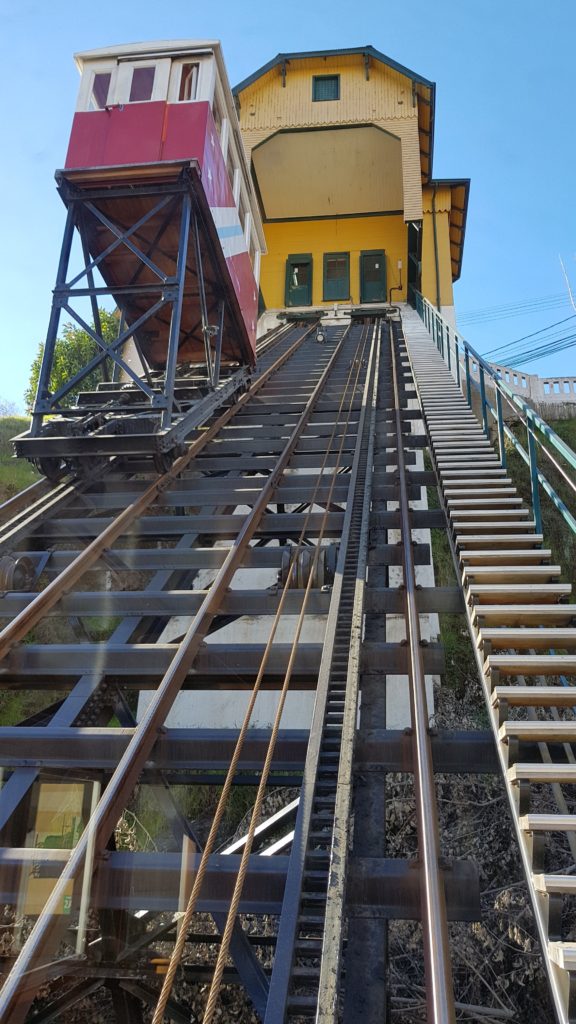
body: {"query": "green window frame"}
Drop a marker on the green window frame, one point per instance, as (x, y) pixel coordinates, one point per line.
(336, 276)
(325, 87)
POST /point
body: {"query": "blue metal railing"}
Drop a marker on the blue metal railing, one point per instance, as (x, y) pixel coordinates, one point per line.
(453, 348)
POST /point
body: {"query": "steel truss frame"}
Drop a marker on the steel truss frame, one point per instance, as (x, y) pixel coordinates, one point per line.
(166, 406)
(68, 740)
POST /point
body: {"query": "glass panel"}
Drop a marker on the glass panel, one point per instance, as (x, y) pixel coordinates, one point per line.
(100, 89)
(335, 268)
(326, 87)
(217, 115)
(373, 269)
(300, 274)
(188, 82)
(230, 168)
(142, 85)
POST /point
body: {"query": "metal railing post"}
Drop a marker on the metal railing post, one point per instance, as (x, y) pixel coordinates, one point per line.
(438, 329)
(483, 400)
(501, 438)
(468, 383)
(532, 452)
(448, 347)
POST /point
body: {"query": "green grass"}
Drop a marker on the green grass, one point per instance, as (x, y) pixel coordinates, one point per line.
(459, 658)
(15, 474)
(557, 534)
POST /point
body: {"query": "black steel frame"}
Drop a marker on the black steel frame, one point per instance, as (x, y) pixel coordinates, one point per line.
(165, 420)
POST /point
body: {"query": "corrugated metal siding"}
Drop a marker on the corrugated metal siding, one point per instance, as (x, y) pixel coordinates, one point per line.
(384, 100)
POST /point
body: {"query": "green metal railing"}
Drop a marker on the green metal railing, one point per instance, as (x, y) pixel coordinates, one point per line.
(458, 353)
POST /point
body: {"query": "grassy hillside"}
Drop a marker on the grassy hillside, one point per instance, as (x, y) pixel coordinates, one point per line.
(15, 474)
(557, 534)
(460, 663)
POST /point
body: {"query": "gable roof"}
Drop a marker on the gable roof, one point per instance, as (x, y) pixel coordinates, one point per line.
(369, 51)
(424, 88)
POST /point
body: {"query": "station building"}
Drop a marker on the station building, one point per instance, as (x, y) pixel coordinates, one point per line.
(340, 144)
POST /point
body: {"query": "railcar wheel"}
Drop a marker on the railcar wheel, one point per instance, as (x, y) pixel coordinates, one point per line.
(51, 468)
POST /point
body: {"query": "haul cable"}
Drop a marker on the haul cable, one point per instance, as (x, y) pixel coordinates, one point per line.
(199, 878)
(31, 615)
(124, 778)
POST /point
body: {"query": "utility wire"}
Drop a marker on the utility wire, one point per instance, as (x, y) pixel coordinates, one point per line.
(545, 350)
(513, 309)
(509, 344)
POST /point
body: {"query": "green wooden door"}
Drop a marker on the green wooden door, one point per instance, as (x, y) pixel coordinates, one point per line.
(373, 276)
(336, 285)
(299, 280)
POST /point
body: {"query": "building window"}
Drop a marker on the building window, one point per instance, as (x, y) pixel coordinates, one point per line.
(188, 83)
(217, 115)
(230, 168)
(142, 85)
(100, 90)
(336, 276)
(325, 87)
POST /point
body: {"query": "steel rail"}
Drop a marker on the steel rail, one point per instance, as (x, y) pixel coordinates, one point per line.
(439, 987)
(21, 625)
(14, 505)
(198, 881)
(334, 921)
(122, 782)
(255, 815)
(281, 974)
(21, 513)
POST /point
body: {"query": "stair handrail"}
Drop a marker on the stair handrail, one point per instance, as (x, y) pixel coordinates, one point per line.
(448, 340)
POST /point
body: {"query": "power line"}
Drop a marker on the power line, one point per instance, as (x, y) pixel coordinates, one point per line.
(528, 355)
(514, 305)
(512, 310)
(509, 344)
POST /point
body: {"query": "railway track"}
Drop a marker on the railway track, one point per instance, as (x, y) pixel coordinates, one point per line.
(233, 460)
(270, 558)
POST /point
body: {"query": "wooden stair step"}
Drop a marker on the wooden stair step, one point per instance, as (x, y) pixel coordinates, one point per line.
(494, 540)
(490, 474)
(482, 493)
(486, 486)
(483, 461)
(519, 573)
(483, 504)
(550, 731)
(563, 954)
(542, 773)
(501, 525)
(555, 884)
(545, 637)
(487, 513)
(509, 593)
(548, 823)
(533, 664)
(535, 696)
(523, 615)
(528, 556)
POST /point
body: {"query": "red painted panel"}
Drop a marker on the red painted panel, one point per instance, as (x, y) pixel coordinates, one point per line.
(129, 134)
(215, 180)
(142, 133)
(184, 131)
(246, 289)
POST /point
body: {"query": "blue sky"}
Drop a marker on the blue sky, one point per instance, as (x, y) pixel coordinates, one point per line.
(504, 118)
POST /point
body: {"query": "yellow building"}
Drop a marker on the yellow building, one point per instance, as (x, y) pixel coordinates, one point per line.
(340, 144)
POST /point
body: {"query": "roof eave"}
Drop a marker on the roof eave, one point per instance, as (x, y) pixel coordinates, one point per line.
(371, 51)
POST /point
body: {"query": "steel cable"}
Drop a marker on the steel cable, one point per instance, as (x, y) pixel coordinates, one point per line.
(219, 812)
